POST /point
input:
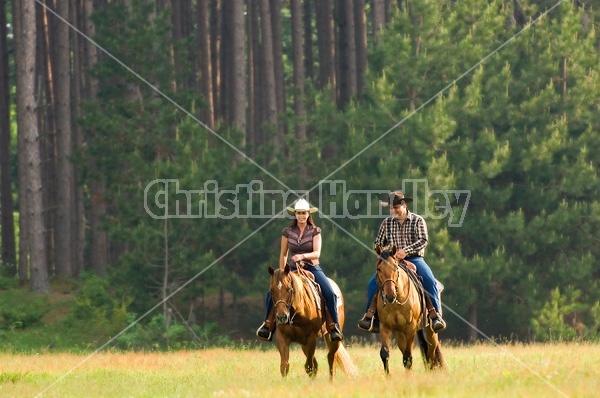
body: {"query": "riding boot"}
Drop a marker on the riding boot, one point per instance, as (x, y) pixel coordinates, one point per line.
(265, 331)
(437, 323)
(333, 328)
(368, 322)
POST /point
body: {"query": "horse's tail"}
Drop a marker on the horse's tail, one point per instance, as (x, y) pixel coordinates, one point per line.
(440, 363)
(423, 346)
(343, 360)
(438, 360)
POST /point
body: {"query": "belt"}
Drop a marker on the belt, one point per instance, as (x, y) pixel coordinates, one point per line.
(306, 263)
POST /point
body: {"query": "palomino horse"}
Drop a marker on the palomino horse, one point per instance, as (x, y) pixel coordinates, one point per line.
(300, 320)
(400, 307)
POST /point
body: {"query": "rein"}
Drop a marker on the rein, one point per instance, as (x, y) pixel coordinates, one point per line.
(300, 268)
(288, 303)
(309, 278)
(395, 282)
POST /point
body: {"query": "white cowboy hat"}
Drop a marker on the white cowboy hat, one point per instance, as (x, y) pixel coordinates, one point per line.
(302, 205)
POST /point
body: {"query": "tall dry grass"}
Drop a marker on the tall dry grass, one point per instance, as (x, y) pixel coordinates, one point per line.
(557, 370)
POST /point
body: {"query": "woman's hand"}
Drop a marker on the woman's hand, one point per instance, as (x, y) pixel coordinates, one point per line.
(298, 257)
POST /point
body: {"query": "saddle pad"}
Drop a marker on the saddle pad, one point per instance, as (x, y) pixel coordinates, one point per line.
(314, 289)
(336, 291)
(316, 294)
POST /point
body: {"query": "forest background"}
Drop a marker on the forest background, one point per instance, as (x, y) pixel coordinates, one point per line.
(486, 111)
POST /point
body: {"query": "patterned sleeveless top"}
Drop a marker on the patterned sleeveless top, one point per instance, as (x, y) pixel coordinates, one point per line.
(301, 245)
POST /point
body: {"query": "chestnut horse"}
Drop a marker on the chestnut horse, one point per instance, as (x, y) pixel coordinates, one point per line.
(401, 309)
(300, 320)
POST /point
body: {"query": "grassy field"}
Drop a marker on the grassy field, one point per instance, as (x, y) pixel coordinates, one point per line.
(559, 370)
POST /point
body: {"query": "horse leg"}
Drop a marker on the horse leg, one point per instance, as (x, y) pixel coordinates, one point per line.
(431, 349)
(384, 353)
(405, 344)
(333, 348)
(310, 366)
(284, 353)
(434, 352)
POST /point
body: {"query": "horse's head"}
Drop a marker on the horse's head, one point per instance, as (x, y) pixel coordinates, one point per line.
(387, 273)
(282, 292)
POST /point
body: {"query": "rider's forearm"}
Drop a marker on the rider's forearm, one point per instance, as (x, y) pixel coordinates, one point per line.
(310, 256)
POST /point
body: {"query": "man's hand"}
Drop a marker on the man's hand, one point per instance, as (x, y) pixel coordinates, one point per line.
(400, 254)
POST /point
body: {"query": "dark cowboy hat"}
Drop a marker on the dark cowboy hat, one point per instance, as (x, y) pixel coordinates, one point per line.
(397, 198)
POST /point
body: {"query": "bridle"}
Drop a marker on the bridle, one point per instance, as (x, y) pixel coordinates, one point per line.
(288, 303)
(395, 283)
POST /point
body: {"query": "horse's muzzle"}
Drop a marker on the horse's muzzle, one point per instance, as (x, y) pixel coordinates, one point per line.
(389, 299)
(283, 319)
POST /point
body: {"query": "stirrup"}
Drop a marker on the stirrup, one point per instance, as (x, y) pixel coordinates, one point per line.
(436, 322)
(366, 324)
(336, 334)
(264, 333)
(438, 325)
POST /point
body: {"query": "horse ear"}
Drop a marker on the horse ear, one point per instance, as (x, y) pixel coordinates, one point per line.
(393, 250)
(286, 269)
(378, 250)
(270, 270)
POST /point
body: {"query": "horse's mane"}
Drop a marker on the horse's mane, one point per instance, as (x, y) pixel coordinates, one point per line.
(302, 295)
(386, 254)
(388, 257)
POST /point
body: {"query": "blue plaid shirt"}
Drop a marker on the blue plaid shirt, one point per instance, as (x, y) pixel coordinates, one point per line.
(411, 235)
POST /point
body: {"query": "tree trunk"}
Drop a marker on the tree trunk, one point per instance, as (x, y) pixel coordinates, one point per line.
(25, 40)
(221, 300)
(23, 258)
(347, 56)
(378, 17)
(259, 79)
(360, 33)
(564, 86)
(204, 63)
(325, 44)
(251, 29)
(389, 6)
(226, 59)
(215, 48)
(78, 228)
(278, 64)
(46, 61)
(179, 31)
(270, 95)
(187, 30)
(309, 60)
(65, 173)
(473, 321)
(98, 236)
(177, 27)
(165, 284)
(297, 50)
(7, 223)
(238, 59)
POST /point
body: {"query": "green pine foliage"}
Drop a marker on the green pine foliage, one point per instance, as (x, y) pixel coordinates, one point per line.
(140, 140)
(510, 133)
(17, 311)
(522, 248)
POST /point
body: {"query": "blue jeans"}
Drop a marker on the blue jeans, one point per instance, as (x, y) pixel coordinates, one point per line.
(326, 289)
(428, 281)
